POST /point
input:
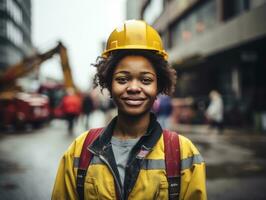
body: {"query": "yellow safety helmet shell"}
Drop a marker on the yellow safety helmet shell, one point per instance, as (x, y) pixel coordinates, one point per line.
(135, 34)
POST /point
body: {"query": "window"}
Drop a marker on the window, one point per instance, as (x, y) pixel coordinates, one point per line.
(153, 11)
(2, 4)
(14, 11)
(2, 27)
(198, 21)
(234, 8)
(206, 16)
(13, 34)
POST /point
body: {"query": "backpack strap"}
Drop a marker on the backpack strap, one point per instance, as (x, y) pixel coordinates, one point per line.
(172, 162)
(85, 159)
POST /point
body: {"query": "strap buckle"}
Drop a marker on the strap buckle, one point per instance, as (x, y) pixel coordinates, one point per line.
(174, 187)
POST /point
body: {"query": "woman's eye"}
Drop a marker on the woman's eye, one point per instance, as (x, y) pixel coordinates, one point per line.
(121, 80)
(146, 81)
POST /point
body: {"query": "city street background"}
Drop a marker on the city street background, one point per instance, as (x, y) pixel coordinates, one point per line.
(236, 161)
(217, 48)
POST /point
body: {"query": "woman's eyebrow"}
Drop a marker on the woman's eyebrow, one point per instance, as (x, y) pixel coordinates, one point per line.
(122, 72)
(142, 73)
(148, 73)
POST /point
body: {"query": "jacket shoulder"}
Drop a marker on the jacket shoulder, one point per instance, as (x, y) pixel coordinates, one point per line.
(187, 148)
(76, 146)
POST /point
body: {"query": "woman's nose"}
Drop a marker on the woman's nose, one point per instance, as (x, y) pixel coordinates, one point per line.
(133, 87)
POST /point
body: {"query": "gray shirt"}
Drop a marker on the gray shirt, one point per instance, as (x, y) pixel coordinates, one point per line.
(121, 149)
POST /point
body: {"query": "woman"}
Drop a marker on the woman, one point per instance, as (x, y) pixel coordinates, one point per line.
(135, 70)
(214, 112)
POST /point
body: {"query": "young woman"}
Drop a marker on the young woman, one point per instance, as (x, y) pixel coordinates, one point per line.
(129, 155)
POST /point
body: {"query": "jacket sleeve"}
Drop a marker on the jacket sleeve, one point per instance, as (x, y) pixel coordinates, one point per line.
(193, 174)
(65, 183)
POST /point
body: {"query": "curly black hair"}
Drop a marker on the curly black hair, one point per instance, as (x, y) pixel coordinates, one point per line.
(166, 75)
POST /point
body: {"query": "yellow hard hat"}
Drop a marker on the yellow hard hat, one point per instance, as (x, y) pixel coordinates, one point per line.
(135, 34)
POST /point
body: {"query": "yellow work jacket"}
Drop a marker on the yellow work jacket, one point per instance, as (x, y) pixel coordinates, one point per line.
(145, 181)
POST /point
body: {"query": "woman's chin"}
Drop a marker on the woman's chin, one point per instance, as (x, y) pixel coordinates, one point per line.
(134, 112)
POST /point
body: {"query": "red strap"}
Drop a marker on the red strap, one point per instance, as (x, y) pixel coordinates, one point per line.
(172, 163)
(86, 156)
(172, 153)
(85, 159)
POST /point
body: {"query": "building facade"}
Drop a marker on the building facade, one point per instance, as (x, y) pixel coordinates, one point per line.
(132, 9)
(216, 45)
(15, 31)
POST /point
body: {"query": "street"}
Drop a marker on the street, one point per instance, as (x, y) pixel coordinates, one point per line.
(236, 163)
(29, 161)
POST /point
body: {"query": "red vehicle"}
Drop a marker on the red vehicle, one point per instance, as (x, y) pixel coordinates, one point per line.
(32, 108)
(19, 109)
(25, 109)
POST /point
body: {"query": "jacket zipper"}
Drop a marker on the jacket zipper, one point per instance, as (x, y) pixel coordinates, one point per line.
(110, 168)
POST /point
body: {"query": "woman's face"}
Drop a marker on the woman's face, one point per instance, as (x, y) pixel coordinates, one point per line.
(134, 85)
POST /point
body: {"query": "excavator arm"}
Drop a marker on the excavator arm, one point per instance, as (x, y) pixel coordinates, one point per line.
(68, 79)
(9, 77)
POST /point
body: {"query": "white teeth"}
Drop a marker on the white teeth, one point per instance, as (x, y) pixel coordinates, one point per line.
(134, 102)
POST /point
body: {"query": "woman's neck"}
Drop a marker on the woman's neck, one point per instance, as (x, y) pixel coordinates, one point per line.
(131, 126)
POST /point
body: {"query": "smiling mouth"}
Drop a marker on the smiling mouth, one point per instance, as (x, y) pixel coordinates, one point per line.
(134, 102)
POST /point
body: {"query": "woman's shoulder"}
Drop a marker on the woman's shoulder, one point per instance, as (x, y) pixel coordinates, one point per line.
(76, 146)
(187, 147)
(81, 138)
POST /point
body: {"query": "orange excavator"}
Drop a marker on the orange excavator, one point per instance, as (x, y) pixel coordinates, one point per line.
(18, 108)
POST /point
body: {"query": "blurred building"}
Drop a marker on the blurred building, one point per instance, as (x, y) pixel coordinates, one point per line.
(215, 44)
(15, 31)
(132, 9)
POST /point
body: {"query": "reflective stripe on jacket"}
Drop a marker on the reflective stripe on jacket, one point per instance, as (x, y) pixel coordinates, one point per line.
(151, 182)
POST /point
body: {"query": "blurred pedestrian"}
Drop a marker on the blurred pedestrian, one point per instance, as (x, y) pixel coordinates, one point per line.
(214, 112)
(87, 108)
(127, 158)
(71, 105)
(164, 110)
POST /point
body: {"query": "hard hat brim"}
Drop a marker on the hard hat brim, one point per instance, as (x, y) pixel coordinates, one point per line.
(105, 54)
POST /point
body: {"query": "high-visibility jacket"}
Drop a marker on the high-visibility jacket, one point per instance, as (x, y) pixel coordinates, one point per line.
(144, 179)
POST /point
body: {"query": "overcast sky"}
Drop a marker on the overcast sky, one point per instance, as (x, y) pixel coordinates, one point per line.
(81, 25)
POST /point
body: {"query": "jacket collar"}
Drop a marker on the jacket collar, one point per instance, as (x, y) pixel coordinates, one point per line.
(148, 140)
